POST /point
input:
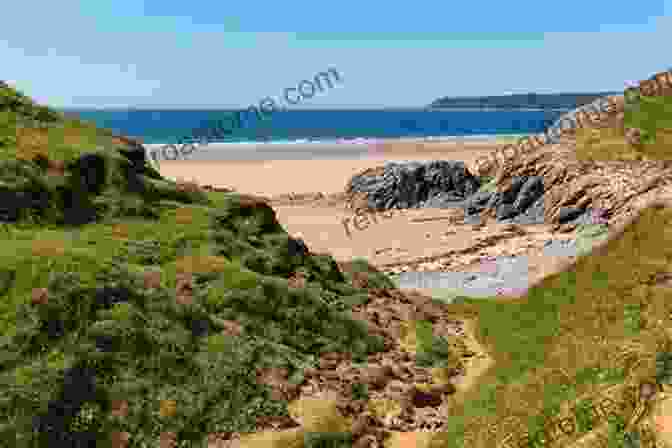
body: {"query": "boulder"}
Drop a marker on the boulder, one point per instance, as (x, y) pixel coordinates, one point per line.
(417, 184)
(521, 203)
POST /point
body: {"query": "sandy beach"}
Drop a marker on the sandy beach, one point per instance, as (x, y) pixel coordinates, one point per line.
(316, 171)
(409, 240)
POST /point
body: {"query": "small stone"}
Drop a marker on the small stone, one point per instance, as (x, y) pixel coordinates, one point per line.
(232, 328)
(119, 408)
(120, 439)
(40, 296)
(167, 439)
(183, 285)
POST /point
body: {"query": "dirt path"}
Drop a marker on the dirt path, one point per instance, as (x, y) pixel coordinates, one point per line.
(478, 365)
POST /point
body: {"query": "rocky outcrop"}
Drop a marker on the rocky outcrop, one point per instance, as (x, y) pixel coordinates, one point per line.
(437, 183)
(448, 184)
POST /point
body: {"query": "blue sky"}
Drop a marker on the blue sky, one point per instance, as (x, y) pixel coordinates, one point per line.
(216, 53)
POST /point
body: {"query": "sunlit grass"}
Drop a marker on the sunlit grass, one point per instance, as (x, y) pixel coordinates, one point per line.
(595, 316)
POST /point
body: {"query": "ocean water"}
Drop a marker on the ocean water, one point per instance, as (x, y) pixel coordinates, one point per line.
(311, 126)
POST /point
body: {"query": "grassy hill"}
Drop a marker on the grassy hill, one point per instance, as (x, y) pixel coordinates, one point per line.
(121, 288)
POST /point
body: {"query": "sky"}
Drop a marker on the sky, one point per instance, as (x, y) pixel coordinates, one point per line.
(221, 54)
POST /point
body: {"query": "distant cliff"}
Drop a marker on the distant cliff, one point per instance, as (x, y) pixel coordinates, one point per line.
(520, 101)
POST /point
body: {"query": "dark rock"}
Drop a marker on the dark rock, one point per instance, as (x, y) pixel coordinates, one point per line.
(521, 203)
(448, 184)
(54, 328)
(14, 202)
(531, 190)
(106, 297)
(77, 207)
(11, 204)
(510, 194)
(89, 172)
(505, 211)
(297, 247)
(568, 214)
(133, 176)
(79, 384)
(199, 327)
(79, 387)
(478, 202)
(416, 184)
(136, 155)
(107, 343)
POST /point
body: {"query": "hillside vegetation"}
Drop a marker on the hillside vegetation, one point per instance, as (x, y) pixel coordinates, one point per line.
(134, 305)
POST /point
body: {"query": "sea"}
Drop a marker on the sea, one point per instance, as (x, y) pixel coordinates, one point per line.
(314, 133)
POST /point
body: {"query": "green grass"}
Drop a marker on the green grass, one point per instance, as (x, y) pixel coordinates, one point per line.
(604, 296)
(151, 346)
(649, 114)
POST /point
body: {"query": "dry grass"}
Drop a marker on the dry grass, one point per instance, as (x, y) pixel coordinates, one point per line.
(201, 264)
(610, 144)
